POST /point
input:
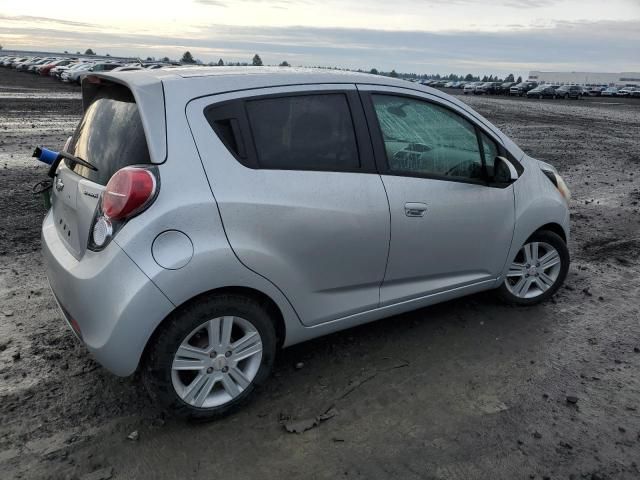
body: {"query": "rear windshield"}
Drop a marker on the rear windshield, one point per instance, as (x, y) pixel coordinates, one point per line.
(110, 136)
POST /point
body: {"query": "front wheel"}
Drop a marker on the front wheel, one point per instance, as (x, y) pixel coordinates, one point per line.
(210, 355)
(537, 271)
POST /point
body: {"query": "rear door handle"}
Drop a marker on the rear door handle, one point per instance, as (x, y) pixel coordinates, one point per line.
(413, 209)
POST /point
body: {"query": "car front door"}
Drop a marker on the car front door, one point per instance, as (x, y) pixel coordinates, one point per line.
(451, 228)
(293, 174)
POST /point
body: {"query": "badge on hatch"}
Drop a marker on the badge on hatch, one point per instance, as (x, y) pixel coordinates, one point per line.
(59, 185)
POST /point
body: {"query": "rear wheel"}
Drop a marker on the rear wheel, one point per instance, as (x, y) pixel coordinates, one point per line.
(537, 271)
(210, 356)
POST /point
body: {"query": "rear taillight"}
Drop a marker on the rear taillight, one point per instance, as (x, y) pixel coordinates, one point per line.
(128, 193)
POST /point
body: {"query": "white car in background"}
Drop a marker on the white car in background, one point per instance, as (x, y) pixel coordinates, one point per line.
(128, 68)
(57, 71)
(470, 87)
(72, 75)
(22, 66)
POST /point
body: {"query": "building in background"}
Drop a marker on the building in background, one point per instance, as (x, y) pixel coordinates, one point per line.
(587, 78)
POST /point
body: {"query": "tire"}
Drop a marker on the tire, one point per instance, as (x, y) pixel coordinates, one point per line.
(178, 382)
(540, 288)
(540, 97)
(566, 96)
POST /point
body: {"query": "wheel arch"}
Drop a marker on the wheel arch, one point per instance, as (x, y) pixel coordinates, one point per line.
(554, 228)
(270, 305)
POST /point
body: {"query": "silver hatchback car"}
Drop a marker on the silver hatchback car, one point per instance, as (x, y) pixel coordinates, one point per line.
(229, 212)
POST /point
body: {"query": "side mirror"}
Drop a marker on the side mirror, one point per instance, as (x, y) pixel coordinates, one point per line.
(504, 171)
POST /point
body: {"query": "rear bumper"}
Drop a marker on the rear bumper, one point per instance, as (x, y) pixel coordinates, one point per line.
(115, 305)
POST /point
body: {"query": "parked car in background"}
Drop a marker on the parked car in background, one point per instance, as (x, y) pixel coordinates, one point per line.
(28, 66)
(73, 74)
(626, 91)
(596, 91)
(128, 68)
(542, 91)
(16, 61)
(470, 87)
(505, 87)
(104, 66)
(489, 88)
(610, 92)
(569, 91)
(98, 67)
(24, 65)
(150, 281)
(57, 70)
(636, 93)
(36, 66)
(522, 88)
(45, 69)
(153, 66)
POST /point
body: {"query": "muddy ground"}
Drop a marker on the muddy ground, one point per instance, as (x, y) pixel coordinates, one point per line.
(470, 389)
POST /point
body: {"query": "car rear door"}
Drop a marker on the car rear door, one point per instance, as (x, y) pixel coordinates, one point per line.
(450, 229)
(292, 171)
(110, 136)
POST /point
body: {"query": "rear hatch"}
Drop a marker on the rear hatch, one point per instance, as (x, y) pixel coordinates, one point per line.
(110, 136)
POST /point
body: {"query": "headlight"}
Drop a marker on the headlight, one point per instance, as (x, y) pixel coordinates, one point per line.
(559, 183)
(562, 188)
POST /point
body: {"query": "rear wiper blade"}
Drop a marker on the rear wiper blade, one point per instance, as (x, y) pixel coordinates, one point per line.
(53, 159)
(78, 160)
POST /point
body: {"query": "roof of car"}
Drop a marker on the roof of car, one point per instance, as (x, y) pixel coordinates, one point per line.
(267, 75)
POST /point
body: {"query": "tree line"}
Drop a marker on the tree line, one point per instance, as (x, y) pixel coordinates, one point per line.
(188, 59)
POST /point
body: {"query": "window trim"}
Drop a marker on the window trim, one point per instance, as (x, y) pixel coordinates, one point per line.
(358, 120)
(380, 153)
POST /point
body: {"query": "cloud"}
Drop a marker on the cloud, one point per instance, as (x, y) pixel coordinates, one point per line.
(47, 20)
(574, 46)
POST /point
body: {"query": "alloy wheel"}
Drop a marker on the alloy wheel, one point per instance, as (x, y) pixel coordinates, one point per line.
(534, 270)
(216, 362)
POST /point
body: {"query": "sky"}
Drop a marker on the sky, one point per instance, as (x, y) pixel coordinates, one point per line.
(422, 36)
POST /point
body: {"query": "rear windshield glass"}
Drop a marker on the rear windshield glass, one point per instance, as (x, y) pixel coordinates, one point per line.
(110, 136)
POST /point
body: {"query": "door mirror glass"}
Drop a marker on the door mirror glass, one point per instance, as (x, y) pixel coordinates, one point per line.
(504, 170)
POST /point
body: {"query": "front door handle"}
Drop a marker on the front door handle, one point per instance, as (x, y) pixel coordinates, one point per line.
(413, 209)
